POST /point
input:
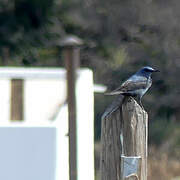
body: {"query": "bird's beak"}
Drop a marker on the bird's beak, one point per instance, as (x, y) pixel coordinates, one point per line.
(156, 70)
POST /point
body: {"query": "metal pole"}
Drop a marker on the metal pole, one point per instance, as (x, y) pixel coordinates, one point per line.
(72, 58)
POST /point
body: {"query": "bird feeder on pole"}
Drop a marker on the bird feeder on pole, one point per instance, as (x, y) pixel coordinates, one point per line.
(71, 52)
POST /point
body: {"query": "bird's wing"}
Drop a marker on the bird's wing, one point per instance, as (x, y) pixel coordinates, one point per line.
(129, 85)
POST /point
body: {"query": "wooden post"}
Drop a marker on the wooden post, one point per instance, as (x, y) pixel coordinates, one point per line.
(17, 99)
(72, 57)
(129, 123)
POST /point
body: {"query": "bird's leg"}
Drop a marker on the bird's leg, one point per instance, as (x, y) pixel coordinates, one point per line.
(140, 102)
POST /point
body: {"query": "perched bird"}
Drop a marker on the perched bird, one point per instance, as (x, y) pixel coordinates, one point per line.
(135, 86)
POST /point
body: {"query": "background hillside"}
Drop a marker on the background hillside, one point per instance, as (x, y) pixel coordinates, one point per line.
(119, 37)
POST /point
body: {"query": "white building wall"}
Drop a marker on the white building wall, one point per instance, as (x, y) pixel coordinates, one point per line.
(5, 91)
(85, 126)
(44, 106)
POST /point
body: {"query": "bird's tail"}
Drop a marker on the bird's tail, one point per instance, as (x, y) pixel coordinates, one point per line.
(114, 93)
(113, 106)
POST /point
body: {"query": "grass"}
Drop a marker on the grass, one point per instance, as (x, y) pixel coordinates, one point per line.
(161, 166)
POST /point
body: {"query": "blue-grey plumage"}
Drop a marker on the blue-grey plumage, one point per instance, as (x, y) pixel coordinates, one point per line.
(137, 85)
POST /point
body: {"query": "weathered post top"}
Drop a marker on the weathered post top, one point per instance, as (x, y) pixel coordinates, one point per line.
(71, 41)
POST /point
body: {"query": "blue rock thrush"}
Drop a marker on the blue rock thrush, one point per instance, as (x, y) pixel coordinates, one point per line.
(136, 86)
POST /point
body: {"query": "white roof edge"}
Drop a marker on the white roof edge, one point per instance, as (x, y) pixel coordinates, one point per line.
(33, 72)
(99, 88)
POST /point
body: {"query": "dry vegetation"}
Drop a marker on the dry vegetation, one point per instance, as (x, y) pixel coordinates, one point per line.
(160, 165)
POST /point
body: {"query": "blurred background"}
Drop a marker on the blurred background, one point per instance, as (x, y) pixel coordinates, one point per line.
(119, 36)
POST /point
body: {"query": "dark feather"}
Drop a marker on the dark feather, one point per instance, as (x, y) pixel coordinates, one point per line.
(129, 86)
(113, 106)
